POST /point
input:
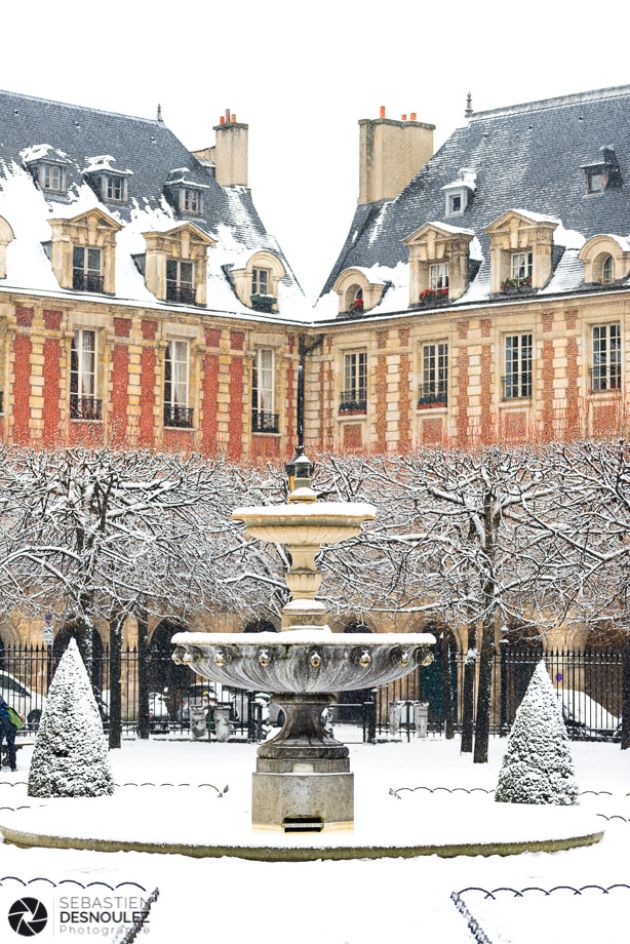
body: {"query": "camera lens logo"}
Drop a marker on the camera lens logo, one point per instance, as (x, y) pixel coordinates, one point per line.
(28, 917)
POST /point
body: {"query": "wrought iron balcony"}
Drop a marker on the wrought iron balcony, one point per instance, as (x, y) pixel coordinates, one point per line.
(84, 408)
(180, 417)
(432, 395)
(353, 401)
(264, 422)
(605, 381)
(87, 281)
(184, 294)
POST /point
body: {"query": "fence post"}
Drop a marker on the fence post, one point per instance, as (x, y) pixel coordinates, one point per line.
(370, 707)
(503, 717)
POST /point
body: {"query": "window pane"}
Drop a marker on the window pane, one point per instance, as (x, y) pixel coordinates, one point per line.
(186, 273)
(94, 260)
(171, 270)
(78, 254)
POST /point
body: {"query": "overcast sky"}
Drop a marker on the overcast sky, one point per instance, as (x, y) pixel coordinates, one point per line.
(303, 74)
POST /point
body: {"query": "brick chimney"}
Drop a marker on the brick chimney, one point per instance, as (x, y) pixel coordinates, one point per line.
(229, 153)
(391, 154)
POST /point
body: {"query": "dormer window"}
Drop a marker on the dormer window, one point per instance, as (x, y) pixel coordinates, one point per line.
(52, 178)
(260, 281)
(603, 174)
(180, 281)
(192, 201)
(522, 266)
(459, 192)
(438, 275)
(608, 270)
(115, 188)
(87, 269)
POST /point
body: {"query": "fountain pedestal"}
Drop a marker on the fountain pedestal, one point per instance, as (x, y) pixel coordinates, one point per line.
(303, 780)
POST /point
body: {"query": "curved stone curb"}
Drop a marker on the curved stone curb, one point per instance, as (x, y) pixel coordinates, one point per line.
(290, 853)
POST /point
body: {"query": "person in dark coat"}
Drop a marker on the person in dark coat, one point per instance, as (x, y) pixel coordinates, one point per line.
(8, 731)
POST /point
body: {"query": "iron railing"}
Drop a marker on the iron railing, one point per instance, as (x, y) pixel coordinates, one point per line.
(589, 686)
(432, 394)
(353, 401)
(184, 294)
(180, 417)
(264, 422)
(87, 281)
(84, 408)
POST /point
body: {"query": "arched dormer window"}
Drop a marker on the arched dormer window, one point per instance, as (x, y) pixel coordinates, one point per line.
(6, 236)
(607, 270)
(606, 259)
(256, 285)
(354, 300)
(356, 293)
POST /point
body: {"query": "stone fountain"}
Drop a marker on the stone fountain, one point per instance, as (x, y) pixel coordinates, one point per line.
(303, 780)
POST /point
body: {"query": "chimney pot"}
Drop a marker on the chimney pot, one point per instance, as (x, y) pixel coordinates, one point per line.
(403, 117)
(222, 120)
(233, 119)
(412, 116)
(382, 111)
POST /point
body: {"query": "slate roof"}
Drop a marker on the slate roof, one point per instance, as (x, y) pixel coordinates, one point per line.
(527, 156)
(145, 147)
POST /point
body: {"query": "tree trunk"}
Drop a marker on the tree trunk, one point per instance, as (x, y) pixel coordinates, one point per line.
(482, 725)
(115, 682)
(84, 642)
(447, 686)
(468, 705)
(625, 688)
(143, 674)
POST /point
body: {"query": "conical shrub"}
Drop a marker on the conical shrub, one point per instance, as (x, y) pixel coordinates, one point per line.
(538, 766)
(70, 755)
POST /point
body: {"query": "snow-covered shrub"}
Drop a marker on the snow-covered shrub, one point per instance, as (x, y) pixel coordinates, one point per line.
(538, 766)
(70, 754)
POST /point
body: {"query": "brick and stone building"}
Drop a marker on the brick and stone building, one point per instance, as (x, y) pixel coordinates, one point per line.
(482, 294)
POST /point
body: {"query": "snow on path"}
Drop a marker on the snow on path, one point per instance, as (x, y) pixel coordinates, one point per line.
(352, 902)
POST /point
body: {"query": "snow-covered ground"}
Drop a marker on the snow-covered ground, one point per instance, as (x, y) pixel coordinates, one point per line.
(348, 901)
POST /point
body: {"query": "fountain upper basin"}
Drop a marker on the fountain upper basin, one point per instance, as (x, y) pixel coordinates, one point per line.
(304, 660)
(305, 523)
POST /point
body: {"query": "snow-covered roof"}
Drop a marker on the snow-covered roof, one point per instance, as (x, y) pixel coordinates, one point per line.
(526, 158)
(89, 141)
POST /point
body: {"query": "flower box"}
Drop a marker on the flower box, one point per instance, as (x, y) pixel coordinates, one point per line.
(432, 297)
(263, 302)
(517, 286)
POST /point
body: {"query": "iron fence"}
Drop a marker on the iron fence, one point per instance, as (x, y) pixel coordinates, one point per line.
(589, 686)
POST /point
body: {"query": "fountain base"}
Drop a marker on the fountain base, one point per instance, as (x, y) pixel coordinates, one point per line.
(303, 802)
(303, 781)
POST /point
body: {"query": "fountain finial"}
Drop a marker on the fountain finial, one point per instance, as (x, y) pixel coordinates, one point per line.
(300, 472)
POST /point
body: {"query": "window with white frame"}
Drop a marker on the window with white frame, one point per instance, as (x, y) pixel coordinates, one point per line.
(606, 369)
(521, 267)
(434, 386)
(438, 276)
(176, 384)
(52, 178)
(517, 382)
(596, 182)
(608, 270)
(191, 201)
(84, 404)
(260, 281)
(115, 188)
(87, 269)
(180, 281)
(354, 395)
(264, 418)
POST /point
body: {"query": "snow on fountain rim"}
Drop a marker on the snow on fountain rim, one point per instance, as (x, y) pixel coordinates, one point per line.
(348, 510)
(308, 635)
(225, 825)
